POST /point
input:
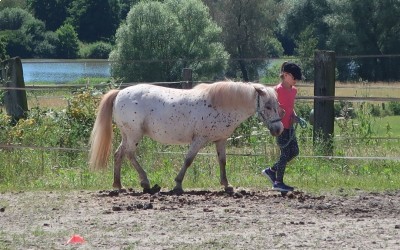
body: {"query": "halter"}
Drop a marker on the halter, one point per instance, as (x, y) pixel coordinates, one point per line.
(260, 113)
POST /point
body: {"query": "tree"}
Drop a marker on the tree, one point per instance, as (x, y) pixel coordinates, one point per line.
(93, 20)
(300, 15)
(52, 12)
(12, 4)
(21, 31)
(13, 18)
(366, 28)
(305, 47)
(248, 33)
(3, 52)
(67, 42)
(159, 39)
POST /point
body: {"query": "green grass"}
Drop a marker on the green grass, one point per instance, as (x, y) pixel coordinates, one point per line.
(249, 151)
(387, 126)
(51, 170)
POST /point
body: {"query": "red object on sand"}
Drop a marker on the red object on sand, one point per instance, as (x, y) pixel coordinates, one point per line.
(76, 239)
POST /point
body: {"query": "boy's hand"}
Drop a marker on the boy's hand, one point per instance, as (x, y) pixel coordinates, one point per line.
(300, 121)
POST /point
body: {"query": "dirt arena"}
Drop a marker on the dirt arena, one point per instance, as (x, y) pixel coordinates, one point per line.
(246, 219)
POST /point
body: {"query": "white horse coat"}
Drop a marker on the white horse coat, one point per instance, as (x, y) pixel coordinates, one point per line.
(206, 113)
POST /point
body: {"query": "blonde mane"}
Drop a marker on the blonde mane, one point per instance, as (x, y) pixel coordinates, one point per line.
(229, 94)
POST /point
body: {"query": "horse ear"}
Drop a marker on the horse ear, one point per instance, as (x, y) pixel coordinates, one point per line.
(260, 90)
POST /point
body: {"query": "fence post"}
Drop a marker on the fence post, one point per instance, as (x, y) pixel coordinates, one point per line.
(15, 100)
(187, 78)
(324, 86)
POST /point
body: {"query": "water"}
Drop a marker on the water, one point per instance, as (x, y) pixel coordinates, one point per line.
(63, 71)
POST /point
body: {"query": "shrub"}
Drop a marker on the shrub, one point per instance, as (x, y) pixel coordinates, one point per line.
(395, 107)
(67, 45)
(13, 18)
(97, 50)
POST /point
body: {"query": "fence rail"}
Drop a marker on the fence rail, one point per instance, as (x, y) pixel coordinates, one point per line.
(368, 158)
(318, 98)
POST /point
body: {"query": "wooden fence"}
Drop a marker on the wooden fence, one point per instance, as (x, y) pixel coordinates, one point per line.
(324, 95)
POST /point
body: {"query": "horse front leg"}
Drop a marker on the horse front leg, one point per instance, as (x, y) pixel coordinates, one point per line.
(221, 152)
(193, 150)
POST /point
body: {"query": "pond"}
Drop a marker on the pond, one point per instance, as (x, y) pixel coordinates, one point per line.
(63, 71)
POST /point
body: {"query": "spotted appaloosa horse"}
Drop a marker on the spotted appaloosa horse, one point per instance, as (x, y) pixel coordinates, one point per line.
(206, 113)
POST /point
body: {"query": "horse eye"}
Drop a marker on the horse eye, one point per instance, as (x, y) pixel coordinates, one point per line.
(268, 108)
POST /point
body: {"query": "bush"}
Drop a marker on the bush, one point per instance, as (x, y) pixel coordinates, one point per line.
(13, 18)
(395, 107)
(97, 50)
(67, 45)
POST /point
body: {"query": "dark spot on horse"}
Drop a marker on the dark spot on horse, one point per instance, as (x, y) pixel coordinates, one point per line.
(228, 125)
(173, 105)
(209, 105)
(136, 103)
(137, 143)
(152, 110)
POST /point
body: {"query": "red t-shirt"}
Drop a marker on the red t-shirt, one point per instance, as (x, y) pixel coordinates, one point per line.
(286, 98)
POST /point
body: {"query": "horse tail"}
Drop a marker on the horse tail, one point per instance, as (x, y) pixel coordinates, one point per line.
(102, 133)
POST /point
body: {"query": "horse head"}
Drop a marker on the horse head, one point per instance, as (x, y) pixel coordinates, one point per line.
(268, 109)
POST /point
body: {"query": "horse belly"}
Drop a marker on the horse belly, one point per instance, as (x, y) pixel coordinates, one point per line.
(170, 133)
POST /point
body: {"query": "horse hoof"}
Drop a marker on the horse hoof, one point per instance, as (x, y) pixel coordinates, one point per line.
(155, 189)
(229, 189)
(117, 186)
(177, 191)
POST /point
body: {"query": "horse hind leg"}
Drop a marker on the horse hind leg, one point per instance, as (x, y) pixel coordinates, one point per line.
(221, 152)
(118, 157)
(144, 181)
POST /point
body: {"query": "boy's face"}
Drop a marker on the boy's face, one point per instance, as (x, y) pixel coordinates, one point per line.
(289, 79)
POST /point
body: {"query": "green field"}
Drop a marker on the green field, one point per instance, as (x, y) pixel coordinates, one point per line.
(50, 152)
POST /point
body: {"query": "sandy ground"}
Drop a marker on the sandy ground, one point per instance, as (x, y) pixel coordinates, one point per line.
(245, 219)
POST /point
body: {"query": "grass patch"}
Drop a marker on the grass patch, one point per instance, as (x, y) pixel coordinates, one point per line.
(55, 153)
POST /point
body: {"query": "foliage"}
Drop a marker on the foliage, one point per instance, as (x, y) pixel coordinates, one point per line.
(97, 50)
(24, 35)
(59, 140)
(395, 107)
(167, 37)
(67, 45)
(12, 4)
(248, 32)
(366, 28)
(306, 45)
(93, 20)
(52, 12)
(3, 52)
(13, 18)
(302, 15)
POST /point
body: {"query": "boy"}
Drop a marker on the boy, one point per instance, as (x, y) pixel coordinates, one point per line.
(287, 142)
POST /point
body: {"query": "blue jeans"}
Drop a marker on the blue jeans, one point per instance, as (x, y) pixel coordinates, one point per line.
(287, 143)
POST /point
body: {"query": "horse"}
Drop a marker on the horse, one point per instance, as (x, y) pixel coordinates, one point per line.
(206, 113)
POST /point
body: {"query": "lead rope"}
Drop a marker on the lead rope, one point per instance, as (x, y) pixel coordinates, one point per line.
(292, 132)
